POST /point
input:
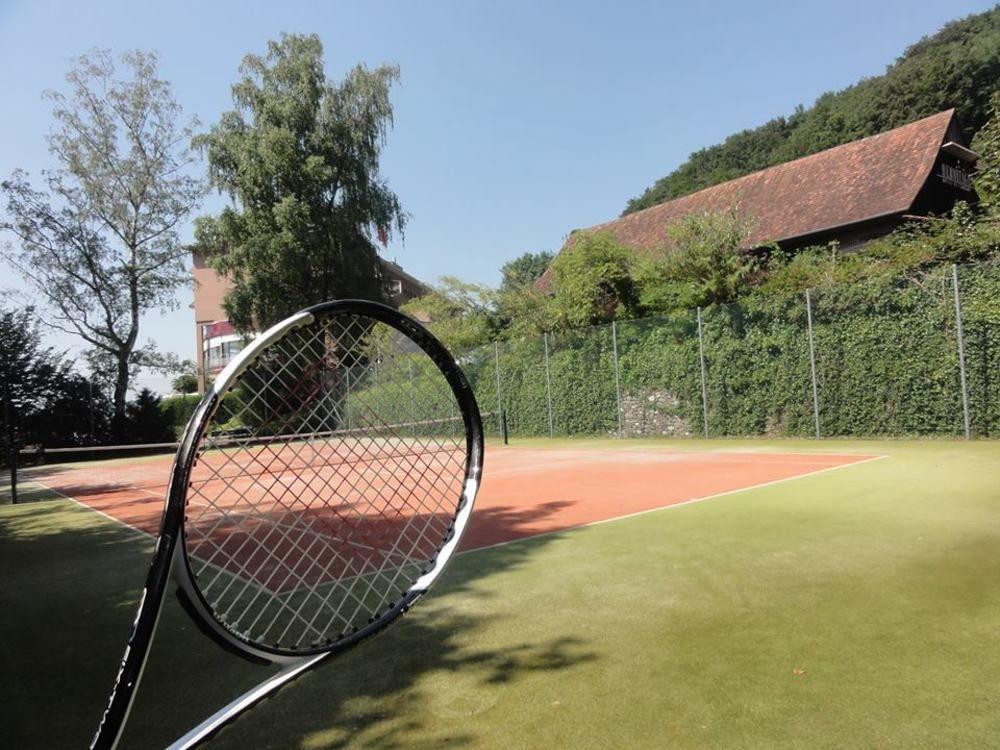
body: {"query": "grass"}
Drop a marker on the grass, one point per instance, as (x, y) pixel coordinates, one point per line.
(854, 609)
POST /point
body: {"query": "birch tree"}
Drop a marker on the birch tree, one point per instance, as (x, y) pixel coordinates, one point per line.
(299, 159)
(98, 241)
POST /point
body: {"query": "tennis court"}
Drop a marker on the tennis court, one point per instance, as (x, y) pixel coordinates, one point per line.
(595, 606)
(529, 491)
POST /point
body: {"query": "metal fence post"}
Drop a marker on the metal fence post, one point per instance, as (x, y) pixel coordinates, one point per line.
(496, 355)
(701, 362)
(961, 352)
(90, 407)
(413, 402)
(347, 394)
(812, 362)
(618, 387)
(548, 380)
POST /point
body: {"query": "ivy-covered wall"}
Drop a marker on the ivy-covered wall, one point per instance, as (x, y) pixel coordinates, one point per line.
(886, 364)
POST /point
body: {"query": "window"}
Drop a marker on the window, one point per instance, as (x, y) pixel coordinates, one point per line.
(395, 286)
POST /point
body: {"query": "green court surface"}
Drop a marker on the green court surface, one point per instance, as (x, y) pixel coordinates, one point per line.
(858, 608)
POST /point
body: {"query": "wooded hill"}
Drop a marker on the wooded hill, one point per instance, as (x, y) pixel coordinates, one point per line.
(959, 67)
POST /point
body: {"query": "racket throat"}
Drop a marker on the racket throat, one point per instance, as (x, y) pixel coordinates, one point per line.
(227, 644)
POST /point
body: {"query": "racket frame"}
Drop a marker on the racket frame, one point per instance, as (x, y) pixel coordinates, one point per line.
(171, 556)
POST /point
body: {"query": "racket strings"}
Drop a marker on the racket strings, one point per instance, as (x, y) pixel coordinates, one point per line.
(294, 572)
(329, 488)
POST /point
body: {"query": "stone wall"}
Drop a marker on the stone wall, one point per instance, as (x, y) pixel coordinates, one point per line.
(653, 412)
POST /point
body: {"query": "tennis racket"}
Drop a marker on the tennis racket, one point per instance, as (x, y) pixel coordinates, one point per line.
(320, 488)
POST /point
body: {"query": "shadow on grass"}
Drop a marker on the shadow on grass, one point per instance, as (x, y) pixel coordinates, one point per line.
(416, 685)
(27, 492)
(72, 578)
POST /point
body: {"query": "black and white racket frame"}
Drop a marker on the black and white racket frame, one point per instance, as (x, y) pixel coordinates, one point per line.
(170, 553)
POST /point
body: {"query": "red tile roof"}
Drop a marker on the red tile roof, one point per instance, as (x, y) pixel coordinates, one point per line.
(875, 176)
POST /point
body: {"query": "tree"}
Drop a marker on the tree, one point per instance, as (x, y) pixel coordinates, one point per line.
(525, 311)
(26, 372)
(592, 282)
(146, 421)
(76, 413)
(704, 262)
(99, 243)
(299, 157)
(460, 314)
(524, 270)
(187, 380)
(103, 366)
(49, 404)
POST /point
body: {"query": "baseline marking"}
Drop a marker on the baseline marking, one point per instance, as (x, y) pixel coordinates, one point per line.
(674, 505)
(126, 524)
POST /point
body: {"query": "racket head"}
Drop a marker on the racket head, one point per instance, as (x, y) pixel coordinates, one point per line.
(325, 481)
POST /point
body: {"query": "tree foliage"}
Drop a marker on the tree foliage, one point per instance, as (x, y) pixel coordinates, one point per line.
(987, 145)
(593, 282)
(458, 313)
(49, 403)
(147, 423)
(525, 311)
(99, 242)
(299, 157)
(524, 270)
(966, 236)
(703, 263)
(187, 378)
(959, 67)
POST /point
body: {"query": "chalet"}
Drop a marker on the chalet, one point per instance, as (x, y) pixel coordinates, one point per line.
(848, 194)
(217, 342)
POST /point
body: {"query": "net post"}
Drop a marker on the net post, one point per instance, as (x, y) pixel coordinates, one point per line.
(961, 352)
(503, 426)
(11, 446)
(618, 387)
(701, 363)
(548, 380)
(812, 362)
(501, 418)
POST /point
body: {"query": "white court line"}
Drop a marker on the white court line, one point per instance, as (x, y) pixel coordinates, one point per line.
(821, 451)
(570, 459)
(126, 524)
(672, 505)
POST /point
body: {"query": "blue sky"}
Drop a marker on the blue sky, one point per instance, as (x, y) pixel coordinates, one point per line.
(516, 122)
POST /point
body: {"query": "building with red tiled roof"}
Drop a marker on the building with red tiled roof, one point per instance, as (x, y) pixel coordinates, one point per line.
(848, 194)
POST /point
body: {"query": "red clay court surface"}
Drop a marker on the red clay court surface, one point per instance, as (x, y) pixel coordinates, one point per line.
(525, 492)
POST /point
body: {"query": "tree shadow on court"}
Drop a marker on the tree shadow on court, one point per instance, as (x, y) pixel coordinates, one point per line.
(76, 481)
(73, 578)
(506, 523)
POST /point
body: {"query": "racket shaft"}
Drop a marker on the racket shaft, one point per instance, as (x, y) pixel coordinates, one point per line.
(223, 716)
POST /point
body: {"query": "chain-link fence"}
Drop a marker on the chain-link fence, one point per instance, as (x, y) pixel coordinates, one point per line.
(919, 358)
